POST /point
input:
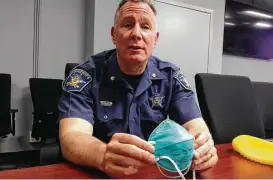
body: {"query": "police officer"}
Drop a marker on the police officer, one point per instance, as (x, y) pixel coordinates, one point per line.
(113, 101)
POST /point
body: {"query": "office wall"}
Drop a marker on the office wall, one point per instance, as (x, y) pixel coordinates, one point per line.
(89, 28)
(105, 9)
(103, 21)
(62, 34)
(256, 70)
(62, 29)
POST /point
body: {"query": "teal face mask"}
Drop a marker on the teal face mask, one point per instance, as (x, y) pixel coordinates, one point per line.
(174, 147)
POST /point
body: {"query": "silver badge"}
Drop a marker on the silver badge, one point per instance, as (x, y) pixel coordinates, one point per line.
(157, 100)
(106, 103)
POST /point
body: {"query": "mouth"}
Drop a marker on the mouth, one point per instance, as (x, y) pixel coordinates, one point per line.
(135, 48)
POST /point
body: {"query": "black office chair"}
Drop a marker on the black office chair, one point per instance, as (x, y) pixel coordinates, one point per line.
(228, 106)
(45, 95)
(7, 115)
(264, 95)
(69, 67)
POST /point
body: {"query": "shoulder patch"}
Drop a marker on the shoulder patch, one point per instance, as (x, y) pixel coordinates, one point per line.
(77, 80)
(182, 80)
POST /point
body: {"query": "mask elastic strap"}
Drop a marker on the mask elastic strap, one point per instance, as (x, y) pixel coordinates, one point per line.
(176, 167)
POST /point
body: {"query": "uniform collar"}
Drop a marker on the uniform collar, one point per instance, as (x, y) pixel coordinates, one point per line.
(153, 73)
(114, 72)
(150, 74)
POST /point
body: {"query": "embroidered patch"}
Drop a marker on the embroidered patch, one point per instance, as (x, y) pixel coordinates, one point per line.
(157, 100)
(182, 80)
(76, 80)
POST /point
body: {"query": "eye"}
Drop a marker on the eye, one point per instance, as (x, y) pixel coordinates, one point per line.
(146, 27)
(127, 25)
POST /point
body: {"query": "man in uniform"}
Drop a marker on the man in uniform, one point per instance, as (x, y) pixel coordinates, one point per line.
(113, 101)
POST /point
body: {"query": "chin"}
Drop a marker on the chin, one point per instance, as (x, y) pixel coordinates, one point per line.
(137, 58)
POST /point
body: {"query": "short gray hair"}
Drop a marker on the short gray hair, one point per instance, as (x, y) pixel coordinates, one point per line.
(149, 2)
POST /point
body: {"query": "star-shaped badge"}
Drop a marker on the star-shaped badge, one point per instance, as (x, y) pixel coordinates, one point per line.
(157, 100)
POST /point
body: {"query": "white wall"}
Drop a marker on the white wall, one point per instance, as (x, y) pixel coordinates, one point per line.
(255, 69)
(104, 17)
(89, 28)
(62, 36)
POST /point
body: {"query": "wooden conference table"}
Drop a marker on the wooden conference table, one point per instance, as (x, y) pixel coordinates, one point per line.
(231, 165)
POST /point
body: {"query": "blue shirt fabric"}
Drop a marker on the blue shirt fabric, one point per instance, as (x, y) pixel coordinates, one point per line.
(102, 97)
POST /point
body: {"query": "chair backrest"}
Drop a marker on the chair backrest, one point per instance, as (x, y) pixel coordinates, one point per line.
(228, 106)
(69, 67)
(264, 94)
(5, 98)
(45, 95)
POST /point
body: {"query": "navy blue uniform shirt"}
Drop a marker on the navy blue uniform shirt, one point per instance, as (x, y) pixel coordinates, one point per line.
(97, 92)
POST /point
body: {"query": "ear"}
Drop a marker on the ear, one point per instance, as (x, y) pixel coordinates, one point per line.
(156, 38)
(113, 34)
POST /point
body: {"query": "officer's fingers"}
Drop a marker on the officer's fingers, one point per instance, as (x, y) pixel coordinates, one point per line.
(134, 140)
(116, 171)
(204, 149)
(131, 151)
(208, 164)
(206, 156)
(123, 160)
(201, 139)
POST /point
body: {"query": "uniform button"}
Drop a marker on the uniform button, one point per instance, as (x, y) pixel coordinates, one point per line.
(105, 117)
(153, 75)
(112, 78)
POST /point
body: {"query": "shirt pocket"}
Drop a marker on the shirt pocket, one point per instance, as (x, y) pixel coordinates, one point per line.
(147, 113)
(149, 119)
(110, 113)
(110, 120)
(109, 107)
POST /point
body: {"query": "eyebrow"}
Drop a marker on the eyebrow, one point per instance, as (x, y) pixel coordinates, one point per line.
(127, 17)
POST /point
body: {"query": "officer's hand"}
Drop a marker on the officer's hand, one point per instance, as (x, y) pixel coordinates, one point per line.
(205, 154)
(126, 153)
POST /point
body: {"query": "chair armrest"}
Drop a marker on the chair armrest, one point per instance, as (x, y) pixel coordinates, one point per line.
(14, 110)
(43, 113)
(50, 154)
(13, 118)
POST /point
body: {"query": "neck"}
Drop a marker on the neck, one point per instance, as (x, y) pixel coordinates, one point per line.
(132, 68)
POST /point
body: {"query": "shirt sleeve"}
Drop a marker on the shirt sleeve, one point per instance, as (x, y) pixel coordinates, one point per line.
(76, 100)
(183, 106)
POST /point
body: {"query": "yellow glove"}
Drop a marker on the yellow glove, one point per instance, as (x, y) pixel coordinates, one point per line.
(253, 148)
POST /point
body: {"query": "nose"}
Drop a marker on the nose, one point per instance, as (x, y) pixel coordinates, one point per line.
(136, 33)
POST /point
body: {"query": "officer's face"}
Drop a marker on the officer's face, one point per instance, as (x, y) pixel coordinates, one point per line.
(134, 33)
